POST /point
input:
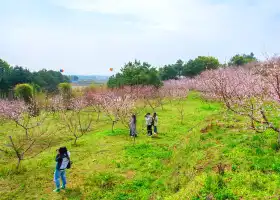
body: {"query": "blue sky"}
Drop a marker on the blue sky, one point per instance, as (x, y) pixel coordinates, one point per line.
(90, 36)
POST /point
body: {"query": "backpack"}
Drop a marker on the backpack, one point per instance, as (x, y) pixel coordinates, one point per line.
(69, 164)
(64, 149)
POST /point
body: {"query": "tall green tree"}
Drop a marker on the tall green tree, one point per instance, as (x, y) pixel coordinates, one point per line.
(19, 75)
(49, 80)
(135, 73)
(239, 60)
(201, 63)
(172, 71)
(4, 72)
(4, 67)
(179, 66)
(168, 72)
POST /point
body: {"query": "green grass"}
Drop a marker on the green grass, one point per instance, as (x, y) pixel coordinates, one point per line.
(182, 163)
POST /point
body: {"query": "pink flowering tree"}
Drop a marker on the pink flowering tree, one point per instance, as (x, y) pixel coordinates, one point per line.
(19, 113)
(125, 105)
(238, 88)
(252, 92)
(24, 148)
(159, 96)
(168, 90)
(97, 108)
(74, 116)
(105, 101)
(95, 101)
(152, 97)
(25, 140)
(117, 104)
(176, 92)
(138, 93)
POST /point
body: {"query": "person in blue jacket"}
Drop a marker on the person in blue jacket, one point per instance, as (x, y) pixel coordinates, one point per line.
(62, 163)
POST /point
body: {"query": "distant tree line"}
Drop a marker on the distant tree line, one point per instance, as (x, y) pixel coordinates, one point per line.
(43, 80)
(138, 73)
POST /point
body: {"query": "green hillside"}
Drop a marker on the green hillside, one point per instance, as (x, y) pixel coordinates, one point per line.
(212, 154)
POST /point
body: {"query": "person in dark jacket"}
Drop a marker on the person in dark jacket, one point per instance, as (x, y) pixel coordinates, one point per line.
(62, 163)
(155, 123)
(132, 126)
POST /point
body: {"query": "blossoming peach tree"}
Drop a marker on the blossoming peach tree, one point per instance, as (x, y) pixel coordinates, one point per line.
(25, 138)
(253, 92)
(73, 116)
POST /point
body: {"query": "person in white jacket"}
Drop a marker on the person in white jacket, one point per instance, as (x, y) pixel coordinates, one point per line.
(149, 121)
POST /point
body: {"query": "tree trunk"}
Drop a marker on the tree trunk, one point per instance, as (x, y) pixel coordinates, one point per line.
(26, 132)
(98, 117)
(18, 163)
(252, 124)
(75, 141)
(113, 124)
(161, 104)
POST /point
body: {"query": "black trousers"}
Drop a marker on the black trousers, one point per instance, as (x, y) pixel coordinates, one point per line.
(149, 129)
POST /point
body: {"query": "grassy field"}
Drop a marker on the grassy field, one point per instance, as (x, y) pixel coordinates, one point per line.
(212, 154)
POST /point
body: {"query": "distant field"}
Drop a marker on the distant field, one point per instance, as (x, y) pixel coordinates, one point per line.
(86, 84)
(78, 86)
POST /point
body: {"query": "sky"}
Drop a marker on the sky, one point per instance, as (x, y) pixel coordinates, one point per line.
(90, 36)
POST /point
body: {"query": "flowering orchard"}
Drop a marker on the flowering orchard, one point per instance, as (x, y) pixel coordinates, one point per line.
(252, 91)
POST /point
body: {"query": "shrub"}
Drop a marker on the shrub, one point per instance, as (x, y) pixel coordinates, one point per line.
(24, 91)
(65, 89)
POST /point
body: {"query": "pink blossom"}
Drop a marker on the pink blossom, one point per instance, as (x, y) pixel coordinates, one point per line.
(12, 110)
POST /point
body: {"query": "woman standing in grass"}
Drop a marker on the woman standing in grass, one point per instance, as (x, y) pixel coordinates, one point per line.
(149, 120)
(132, 126)
(62, 163)
(155, 123)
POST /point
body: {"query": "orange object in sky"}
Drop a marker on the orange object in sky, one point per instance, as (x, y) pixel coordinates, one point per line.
(111, 69)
